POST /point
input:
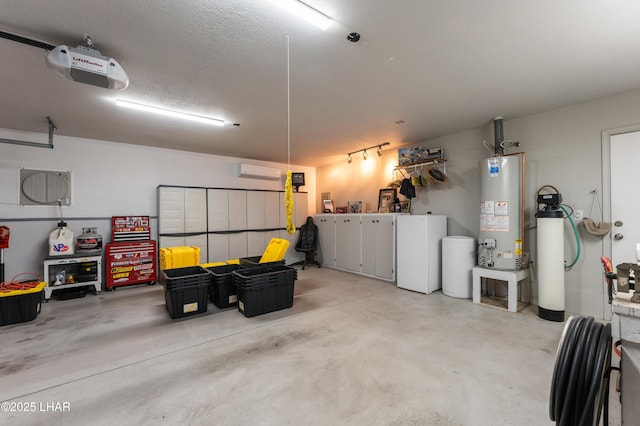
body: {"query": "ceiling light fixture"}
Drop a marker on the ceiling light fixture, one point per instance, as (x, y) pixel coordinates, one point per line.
(364, 151)
(169, 112)
(304, 11)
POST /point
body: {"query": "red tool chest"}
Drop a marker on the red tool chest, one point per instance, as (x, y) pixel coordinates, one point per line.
(131, 258)
(130, 263)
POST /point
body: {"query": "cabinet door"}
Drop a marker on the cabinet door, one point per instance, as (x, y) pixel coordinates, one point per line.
(238, 245)
(218, 209)
(255, 243)
(237, 210)
(195, 210)
(348, 242)
(255, 209)
(218, 248)
(370, 228)
(170, 210)
(271, 210)
(385, 247)
(199, 241)
(326, 239)
(170, 242)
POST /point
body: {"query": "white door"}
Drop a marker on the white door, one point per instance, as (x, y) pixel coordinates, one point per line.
(625, 204)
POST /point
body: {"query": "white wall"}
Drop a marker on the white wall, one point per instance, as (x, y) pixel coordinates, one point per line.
(108, 179)
(563, 148)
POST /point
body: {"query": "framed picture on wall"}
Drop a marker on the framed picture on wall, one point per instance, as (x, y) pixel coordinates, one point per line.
(385, 200)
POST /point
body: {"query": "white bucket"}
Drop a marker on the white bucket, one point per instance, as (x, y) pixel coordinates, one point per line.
(61, 241)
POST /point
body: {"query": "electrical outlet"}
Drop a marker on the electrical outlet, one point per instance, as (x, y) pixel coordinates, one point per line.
(578, 214)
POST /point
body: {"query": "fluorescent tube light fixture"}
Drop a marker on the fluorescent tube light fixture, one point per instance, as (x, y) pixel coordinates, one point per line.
(304, 11)
(169, 112)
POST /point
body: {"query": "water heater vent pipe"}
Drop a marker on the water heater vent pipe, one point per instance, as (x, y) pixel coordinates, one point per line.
(499, 135)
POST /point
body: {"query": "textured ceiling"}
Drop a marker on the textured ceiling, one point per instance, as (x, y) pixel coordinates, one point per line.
(440, 66)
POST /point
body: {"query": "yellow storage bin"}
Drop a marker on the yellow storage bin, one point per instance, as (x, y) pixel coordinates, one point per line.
(275, 251)
(179, 257)
(21, 305)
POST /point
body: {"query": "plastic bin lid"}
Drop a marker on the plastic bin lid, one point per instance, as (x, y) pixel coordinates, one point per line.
(275, 251)
(37, 288)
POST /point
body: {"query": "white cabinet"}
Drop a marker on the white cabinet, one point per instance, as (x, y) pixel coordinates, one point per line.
(326, 239)
(255, 210)
(263, 210)
(218, 209)
(195, 210)
(378, 246)
(225, 246)
(258, 241)
(226, 211)
(238, 244)
(419, 251)
(226, 223)
(182, 211)
(365, 244)
(237, 210)
(272, 210)
(349, 242)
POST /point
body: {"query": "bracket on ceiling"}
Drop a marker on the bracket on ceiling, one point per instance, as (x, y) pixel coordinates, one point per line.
(52, 127)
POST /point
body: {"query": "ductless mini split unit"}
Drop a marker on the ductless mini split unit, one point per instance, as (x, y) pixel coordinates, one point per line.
(258, 172)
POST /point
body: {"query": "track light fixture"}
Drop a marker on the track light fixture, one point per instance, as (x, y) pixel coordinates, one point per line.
(364, 151)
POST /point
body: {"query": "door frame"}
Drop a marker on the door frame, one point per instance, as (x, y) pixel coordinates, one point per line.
(606, 178)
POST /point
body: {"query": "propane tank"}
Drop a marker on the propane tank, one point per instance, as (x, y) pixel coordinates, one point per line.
(550, 253)
(89, 241)
(61, 240)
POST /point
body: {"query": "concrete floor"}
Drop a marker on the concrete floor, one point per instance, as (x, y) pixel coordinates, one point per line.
(351, 351)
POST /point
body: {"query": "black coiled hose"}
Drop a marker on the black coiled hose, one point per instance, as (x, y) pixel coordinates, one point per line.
(580, 374)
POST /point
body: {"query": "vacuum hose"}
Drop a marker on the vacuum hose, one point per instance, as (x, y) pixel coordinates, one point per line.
(581, 373)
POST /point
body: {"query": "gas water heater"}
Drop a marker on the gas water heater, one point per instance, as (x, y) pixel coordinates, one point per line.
(501, 208)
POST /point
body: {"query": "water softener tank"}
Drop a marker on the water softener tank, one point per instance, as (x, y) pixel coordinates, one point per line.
(550, 262)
